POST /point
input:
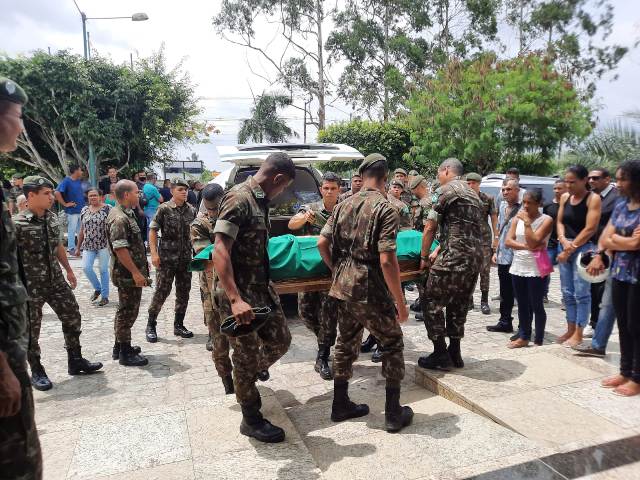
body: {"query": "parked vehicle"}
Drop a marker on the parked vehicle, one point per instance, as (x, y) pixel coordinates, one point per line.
(492, 183)
(246, 160)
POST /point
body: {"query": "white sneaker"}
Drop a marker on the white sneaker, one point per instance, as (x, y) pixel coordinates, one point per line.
(588, 332)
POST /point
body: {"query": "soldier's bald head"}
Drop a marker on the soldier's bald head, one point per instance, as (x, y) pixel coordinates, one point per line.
(123, 187)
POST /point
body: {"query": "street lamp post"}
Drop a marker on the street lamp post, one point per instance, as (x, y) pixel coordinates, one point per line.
(136, 17)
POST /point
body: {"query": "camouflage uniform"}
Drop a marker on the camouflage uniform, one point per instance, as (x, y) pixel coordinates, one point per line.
(244, 217)
(423, 212)
(201, 237)
(317, 309)
(406, 197)
(20, 454)
(488, 209)
(38, 241)
(175, 255)
(14, 193)
(124, 232)
(358, 231)
(453, 275)
(404, 213)
(345, 195)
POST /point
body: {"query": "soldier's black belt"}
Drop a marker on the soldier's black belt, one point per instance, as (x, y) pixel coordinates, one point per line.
(230, 328)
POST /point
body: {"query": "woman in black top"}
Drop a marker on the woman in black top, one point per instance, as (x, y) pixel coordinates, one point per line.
(578, 218)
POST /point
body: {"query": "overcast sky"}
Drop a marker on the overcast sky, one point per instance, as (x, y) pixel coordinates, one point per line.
(220, 70)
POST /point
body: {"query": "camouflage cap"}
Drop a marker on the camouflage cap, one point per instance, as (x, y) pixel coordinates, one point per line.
(179, 182)
(413, 173)
(369, 160)
(37, 181)
(17, 176)
(475, 177)
(397, 183)
(400, 170)
(416, 181)
(11, 91)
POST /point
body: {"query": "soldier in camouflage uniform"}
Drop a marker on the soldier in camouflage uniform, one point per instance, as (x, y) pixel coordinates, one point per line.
(356, 185)
(317, 309)
(454, 273)
(20, 454)
(173, 219)
(15, 192)
(201, 237)
(400, 175)
(129, 270)
(241, 281)
(396, 190)
(358, 244)
(41, 254)
(489, 241)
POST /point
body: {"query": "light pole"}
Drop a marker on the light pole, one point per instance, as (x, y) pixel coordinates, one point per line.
(136, 17)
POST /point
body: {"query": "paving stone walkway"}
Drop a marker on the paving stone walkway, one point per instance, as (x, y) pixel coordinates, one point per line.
(171, 419)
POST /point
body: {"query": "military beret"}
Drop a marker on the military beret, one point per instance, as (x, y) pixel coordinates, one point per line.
(11, 91)
(369, 160)
(17, 176)
(475, 177)
(37, 181)
(400, 170)
(416, 181)
(179, 182)
(397, 183)
(413, 173)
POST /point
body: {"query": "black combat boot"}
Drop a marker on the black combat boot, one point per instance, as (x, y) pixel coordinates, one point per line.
(115, 355)
(416, 306)
(256, 426)
(39, 378)
(150, 332)
(503, 325)
(178, 327)
(396, 417)
(129, 357)
(227, 382)
(209, 345)
(439, 359)
(484, 303)
(377, 355)
(368, 344)
(263, 375)
(343, 408)
(77, 365)
(419, 317)
(454, 352)
(322, 362)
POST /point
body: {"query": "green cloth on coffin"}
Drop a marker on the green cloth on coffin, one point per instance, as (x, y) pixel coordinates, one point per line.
(298, 257)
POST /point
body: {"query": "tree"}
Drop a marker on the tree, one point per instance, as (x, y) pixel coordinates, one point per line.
(389, 44)
(390, 139)
(129, 116)
(265, 124)
(300, 63)
(572, 32)
(486, 111)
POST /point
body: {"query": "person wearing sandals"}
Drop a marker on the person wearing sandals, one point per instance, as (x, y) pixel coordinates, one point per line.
(528, 237)
(622, 238)
(577, 223)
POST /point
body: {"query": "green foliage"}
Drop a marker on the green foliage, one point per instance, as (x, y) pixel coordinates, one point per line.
(390, 139)
(131, 117)
(485, 111)
(265, 125)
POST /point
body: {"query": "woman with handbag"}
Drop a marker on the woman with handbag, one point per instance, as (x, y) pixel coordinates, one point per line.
(528, 237)
(578, 218)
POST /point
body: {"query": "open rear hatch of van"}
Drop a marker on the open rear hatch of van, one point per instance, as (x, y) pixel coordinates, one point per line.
(300, 153)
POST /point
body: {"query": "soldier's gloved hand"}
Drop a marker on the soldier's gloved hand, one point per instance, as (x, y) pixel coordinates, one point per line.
(403, 313)
(71, 278)
(241, 310)
(10, 393)
(155, 259)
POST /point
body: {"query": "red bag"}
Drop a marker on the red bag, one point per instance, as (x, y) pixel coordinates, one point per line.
(543, 262)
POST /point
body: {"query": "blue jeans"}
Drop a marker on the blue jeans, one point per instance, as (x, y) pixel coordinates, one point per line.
(149, 214)
(606, 318)
(575, 291)
(88, 259)
(73, 227)
(530, 294)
